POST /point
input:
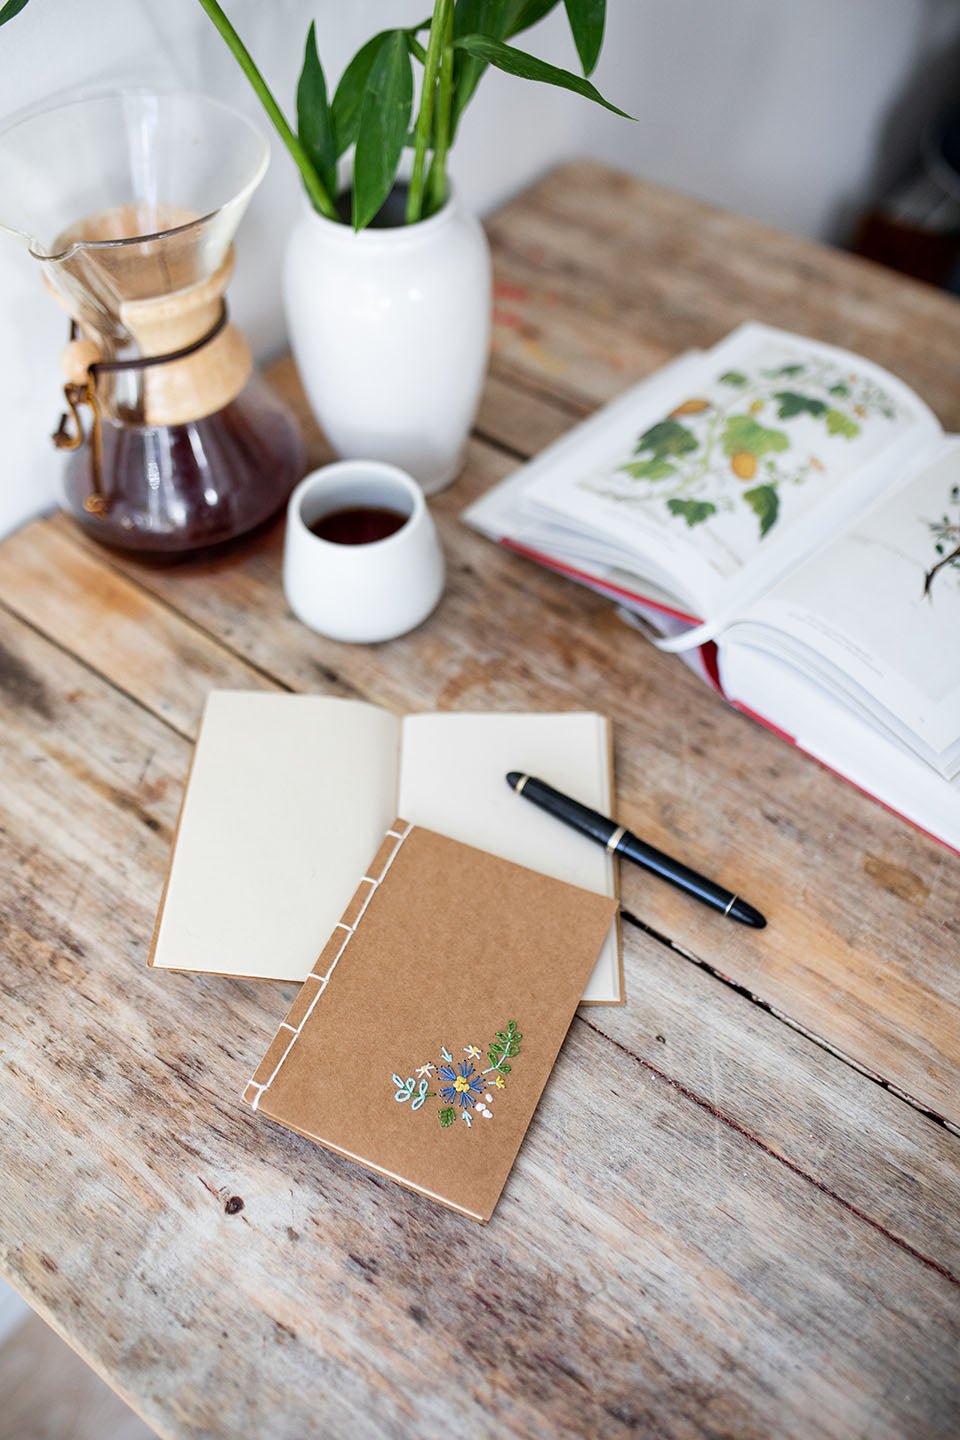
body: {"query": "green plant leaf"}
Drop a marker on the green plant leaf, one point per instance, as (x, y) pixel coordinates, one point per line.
(693, 511)
(528, 67)
(790, 370)
(742, 432)
(764, 501)
(840, 424)
(348, 100)
(527, 13)
(655, 469)
(733, 377)
(793, 404)
(839, 389)
(12, 7)
(586, 21)
(667, 437)
(384, 121)
(314, 119)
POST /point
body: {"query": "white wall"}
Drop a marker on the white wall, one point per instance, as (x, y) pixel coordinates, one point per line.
(780, 110)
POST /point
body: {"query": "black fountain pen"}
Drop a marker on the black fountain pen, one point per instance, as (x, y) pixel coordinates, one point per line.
(620, 841)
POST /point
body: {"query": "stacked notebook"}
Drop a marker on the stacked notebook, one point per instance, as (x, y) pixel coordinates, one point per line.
(442, 954)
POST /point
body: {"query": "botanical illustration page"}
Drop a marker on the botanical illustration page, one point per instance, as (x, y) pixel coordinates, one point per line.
(881, 603)
(770, 430)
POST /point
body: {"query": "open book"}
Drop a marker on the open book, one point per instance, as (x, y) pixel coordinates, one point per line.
(787, 512)
(290, 795)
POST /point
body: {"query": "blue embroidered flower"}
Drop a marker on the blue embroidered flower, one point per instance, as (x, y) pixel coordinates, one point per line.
(466, 1085)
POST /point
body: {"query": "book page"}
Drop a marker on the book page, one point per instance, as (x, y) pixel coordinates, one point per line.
(863, 614)
(756, 455)
(452, 780)
(288, 797)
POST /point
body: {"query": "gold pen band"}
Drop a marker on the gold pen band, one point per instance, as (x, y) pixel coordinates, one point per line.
(521, 782)
(616, 837)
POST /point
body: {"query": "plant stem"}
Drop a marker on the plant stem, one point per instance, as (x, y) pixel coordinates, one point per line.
(437, 177)
(425, 116)
(314, 186)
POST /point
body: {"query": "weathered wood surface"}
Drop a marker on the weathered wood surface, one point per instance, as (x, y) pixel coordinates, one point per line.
(715, 1224)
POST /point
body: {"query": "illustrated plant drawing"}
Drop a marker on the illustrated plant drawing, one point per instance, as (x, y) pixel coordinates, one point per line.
(946, 541)
(741, 429)
(373, 105)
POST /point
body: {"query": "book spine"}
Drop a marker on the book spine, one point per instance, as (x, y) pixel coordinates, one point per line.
(327, 961)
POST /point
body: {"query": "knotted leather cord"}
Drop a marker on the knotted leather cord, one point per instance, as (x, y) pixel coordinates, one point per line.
(85, 393)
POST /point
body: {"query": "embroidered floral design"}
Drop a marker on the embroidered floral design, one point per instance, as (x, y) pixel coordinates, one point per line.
(461, 1088)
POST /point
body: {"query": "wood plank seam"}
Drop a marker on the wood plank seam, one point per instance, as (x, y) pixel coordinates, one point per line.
(785, 1019)
(797, 1170)
(74, 537)
(7, 609)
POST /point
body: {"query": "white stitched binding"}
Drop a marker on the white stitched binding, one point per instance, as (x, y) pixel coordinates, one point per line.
(350, 929)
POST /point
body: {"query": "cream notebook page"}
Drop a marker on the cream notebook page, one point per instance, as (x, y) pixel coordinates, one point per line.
(452, 780)
(288, 797)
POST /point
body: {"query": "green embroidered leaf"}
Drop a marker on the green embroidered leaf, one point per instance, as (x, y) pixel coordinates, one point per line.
(314, 117)
(447, 1115)
(656, 469)
(733, 377)
(742, 432)
(840, 424)
(505, 1068)
(666, 438)
(793, 404)
(839, 389)
(528, 67)
(693, 511)
(501, 1034)
(12, 7)
(764, 501)
(586, 21)
(384, 121)
(518, 1037)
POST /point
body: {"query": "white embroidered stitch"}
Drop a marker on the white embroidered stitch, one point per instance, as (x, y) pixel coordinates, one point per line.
(399, 837)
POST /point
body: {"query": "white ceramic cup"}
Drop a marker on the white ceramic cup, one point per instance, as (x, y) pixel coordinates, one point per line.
(367, 592)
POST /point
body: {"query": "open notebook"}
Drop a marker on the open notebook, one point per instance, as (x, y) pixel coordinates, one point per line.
(421, 1041)
(289, 795)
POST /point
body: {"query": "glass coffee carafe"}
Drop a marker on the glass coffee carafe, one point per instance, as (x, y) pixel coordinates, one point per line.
(130, 202)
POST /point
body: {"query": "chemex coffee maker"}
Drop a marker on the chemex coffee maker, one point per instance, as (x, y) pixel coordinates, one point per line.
(130, 202)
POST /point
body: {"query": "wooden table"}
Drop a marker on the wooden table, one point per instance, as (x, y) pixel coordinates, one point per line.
(736, 1211)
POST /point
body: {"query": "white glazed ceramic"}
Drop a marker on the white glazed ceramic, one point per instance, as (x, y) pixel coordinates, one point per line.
(390, 329)
(361, 593)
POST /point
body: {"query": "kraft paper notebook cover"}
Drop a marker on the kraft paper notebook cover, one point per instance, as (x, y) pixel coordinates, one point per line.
(289, 795)
(421, 1041)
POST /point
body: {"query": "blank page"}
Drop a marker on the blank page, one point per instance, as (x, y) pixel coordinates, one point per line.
(288, 798)
(452, 780)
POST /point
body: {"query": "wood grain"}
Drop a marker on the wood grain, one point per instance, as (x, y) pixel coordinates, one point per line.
(715, 1225)
(367, 1309)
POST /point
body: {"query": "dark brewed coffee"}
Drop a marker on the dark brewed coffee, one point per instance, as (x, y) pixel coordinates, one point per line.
(358, 525)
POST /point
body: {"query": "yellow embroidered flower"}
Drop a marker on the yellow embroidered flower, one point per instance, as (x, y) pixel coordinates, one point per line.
(461, 1083)
(498, 1081)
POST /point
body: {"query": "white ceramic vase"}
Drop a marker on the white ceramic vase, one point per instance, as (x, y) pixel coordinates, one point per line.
(390, 329)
